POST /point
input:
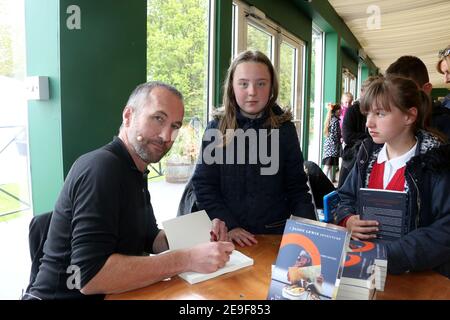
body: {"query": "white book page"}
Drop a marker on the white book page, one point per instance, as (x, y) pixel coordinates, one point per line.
(192, 229)
(188, 230)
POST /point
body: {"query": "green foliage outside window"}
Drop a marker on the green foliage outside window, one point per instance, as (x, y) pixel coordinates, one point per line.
(177, 53)
(286, 76)
(177, 49)
(6, 51)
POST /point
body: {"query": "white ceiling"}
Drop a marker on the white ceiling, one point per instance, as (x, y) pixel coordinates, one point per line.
(407, 27)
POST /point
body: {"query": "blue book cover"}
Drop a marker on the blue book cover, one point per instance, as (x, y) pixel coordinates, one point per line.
(310, 261)
(330, 204)
(359, 267)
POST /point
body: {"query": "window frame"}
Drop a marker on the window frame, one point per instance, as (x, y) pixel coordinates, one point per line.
(318, 93)
(243, 18)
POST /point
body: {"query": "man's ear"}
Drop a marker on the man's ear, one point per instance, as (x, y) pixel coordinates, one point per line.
(427, 87)
(126, 116)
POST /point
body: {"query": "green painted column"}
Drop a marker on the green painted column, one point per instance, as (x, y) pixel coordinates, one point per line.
(95, 54)
(364, 73)
(44, 117)
(332, 69)
(223, 45)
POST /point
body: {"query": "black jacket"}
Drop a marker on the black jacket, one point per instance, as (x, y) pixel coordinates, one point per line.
(427, 244)
(354, 131)
(354, 126)
(241, 196)
(440, 119)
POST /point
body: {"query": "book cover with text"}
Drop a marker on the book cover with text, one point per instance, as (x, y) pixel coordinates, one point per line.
(309, 262)
(388, 208)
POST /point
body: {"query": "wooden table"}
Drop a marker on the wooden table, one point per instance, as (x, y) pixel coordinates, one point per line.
(415, 286)
(253, 282)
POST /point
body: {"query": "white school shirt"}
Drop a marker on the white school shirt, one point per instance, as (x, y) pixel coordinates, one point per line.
(391, 166)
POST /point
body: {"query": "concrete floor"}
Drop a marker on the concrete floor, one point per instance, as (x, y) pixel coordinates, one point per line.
(15, 260)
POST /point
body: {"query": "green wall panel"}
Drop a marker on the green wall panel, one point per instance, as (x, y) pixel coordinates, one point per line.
(439, 92)
(44, 117)
(223, 46)
(92, 71)
(101, 64)
(349, 63)
(332, 69)
(286, 14)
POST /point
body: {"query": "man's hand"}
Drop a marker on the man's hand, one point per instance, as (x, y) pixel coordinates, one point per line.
(242, 237)
(219, 231)
(209, 257)
(362, 229)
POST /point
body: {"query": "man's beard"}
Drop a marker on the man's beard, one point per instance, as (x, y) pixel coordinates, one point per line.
(142, 150)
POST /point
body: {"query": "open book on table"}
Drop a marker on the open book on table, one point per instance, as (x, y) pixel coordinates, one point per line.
(189, 230)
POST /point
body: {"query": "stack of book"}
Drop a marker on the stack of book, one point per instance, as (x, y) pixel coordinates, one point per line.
(364, 271)
(380, 273)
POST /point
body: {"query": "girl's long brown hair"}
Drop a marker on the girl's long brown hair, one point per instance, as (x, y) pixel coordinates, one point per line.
(403, 93)
(227, 113)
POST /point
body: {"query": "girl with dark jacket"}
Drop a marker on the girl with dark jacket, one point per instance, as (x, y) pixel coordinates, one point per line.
(256, 179)
(404, 157)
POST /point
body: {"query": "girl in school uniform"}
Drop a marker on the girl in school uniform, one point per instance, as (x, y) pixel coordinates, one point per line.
(332, 144)
(402, 156)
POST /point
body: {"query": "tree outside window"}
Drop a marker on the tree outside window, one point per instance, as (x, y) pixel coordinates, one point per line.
(177, 53)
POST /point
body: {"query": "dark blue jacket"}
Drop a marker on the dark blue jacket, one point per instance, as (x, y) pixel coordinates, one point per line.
(239, 195)
(427, 244)
(446, 102)
(440, 119)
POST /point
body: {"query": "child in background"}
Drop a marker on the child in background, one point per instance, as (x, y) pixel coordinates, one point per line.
(332, 144)
(403, 156)
(346, 102)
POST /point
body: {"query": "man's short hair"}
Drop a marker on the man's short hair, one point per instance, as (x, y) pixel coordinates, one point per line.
(139, 96)
(410, 67)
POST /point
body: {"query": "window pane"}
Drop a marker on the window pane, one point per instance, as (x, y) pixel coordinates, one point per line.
(287, 77)
(177, 50)
(177, 53)
(258, 39)
(353, 86)
(14, 173)
(348, 82)
(315, 114)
